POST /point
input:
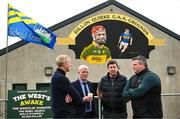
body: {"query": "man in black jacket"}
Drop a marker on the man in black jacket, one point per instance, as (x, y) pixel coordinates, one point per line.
(110, 91)
(84, 87)
(61, 87)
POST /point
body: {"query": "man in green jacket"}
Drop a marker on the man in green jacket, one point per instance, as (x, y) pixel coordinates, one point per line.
(144, 91)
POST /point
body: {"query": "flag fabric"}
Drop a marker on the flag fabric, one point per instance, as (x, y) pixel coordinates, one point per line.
(20, 25)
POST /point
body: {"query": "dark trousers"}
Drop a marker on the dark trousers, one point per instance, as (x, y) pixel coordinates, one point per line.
(110, 115)
(88, 115)
(146, 117)
(62, 115)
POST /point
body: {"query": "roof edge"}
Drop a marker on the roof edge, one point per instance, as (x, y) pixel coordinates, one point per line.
(147, 20)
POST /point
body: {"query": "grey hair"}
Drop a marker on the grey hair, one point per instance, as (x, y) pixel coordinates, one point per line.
(83, 66)
(142, 60)
(61, 59)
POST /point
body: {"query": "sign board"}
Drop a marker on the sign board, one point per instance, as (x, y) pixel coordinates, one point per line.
(29, 104)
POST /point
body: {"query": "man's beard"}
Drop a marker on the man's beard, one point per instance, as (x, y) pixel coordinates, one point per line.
(101, 42)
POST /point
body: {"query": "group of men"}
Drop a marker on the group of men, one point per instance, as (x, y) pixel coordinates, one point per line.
(73, 100)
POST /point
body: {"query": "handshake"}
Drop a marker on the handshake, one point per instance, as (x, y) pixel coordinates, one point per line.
(88, 98)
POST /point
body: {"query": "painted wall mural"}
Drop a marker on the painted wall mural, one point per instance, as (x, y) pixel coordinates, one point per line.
(111, 36)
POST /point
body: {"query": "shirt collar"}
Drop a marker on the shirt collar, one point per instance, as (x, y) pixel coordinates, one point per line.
(81, 81)
(61, 71)
(142, 72)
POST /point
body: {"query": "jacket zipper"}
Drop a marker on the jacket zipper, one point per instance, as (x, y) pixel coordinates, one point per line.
(112, 85)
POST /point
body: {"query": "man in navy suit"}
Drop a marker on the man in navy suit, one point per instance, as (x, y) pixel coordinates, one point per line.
(84, 87)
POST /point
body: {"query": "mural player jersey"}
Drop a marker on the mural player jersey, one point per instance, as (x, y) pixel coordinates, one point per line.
(95, 55)
(126, 37)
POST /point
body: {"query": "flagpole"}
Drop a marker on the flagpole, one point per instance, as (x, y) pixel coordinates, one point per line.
(6, 81)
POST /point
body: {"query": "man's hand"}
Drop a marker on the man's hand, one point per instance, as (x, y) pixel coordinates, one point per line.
(99, 93)
(87, 98)
(68, 98)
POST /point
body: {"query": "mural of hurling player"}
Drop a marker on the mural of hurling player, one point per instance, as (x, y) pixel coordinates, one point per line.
(125, 39)
(97, 52)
